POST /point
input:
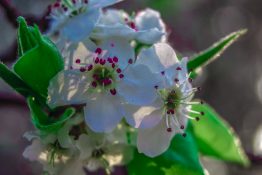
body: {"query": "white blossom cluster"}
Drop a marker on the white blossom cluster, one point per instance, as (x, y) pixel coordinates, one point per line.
(130, 88)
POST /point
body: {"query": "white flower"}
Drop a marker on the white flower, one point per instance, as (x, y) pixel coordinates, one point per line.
(168, 116)
(99, 152)
(76, 19)
(104, 85)
(147, 25)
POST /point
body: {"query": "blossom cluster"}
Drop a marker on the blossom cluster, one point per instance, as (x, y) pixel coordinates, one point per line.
(126, 82)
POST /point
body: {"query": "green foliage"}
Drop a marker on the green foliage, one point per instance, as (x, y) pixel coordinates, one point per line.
(40, 60)
(181, 158)
(214, 51)
(48, 123)
(216, 138)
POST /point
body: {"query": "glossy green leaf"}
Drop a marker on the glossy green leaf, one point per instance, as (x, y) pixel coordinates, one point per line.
(25, 37)
(214, 51)
(216, 138)
(181, 158)
(48, 123)
(38, 65)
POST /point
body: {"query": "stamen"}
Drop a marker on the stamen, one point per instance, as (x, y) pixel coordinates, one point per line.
(90, 67)
(98, 51)
(130, 61)
(121, 76)
(78, 61)
(115, 59)
(113, 91)
(97, 60)
(82, 69)
(178, 68)
(163, 73)
(94, 84)
(169, 130)
(118, 70)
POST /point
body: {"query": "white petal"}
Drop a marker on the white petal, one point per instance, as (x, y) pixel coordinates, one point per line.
(68, 87)
(116, 30)
(138, 85)
(149, 36)
(85, 145)
(149, 19)
(103, 113)
(79, 27)
(158, 58)
(121, 49)
(74, 166)
(135, 114)
(154, 141)
(113, 16)
(152, 119)
(94, 164)
(93, 4)
(33, 151)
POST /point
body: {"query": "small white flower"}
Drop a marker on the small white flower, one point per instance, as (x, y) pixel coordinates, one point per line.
(76, 19)
(105, 86)
(99, 152)
(169, 114)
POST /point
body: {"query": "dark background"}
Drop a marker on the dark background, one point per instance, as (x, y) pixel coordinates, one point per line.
(232, 84)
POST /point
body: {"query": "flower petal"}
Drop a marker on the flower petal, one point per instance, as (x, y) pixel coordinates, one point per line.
(138, 85)
(33, 151)
(149, 36)
(79, 27)
(93, 4)
(149, 19)
(120, 48)
(85, 145)
(68, 87)
(154, 141)
(103, 113)
(113, 16)
(159, 57)
(135, 114)
(73, 166)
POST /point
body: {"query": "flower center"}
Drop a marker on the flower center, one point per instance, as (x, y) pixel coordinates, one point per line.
(68, 8)
(98, 153)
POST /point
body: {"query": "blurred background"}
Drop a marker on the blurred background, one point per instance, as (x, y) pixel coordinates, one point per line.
(232, 84)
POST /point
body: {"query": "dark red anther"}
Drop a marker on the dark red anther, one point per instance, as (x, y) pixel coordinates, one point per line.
(94, 84)
(178, 68)
(130, 61)
(176, 80)
(109, 60)
(156, 87)
(169, 130)
(97, 60)
(57, 4)
(202, 113)
(98, 51)
(113, 91)
(184, 134)
(132, 25)
(190, 80)
(102, 61)
(168, 112)
(86, 1)
(197, 119)
(201, 102)
(118, 70)
(163, 73)
(74, 1)
(121, 76)
(182, 127)
(65, 9)
(90, 67)
(113, 65)
(82, 69)
(198, 89)
(172, 111)
(78, 61)
(115, 59)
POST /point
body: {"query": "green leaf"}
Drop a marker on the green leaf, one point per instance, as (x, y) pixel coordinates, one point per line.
(216, 138)
(14, 81)
(181, 158)
(39, 64)
(44, 122)
(214, 51)
(25, 37)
